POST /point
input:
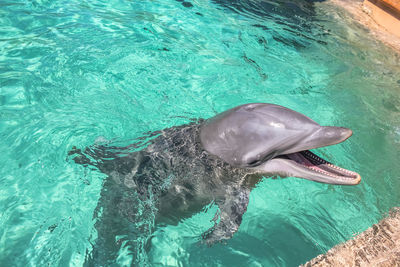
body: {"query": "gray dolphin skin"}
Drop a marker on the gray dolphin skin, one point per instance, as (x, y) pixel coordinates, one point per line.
(176, 172)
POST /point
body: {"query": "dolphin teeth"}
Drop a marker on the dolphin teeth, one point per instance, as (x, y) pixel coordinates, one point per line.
(317, 164)
(308, 160)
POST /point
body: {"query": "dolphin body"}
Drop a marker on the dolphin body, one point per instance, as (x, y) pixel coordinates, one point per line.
(184, 168)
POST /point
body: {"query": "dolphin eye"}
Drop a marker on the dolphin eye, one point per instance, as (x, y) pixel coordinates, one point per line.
(253, 162)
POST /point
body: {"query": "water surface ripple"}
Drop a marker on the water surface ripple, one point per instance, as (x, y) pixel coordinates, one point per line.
(73, 73)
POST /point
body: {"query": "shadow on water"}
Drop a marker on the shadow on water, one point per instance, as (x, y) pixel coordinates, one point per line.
(292, 23)
(286, 10)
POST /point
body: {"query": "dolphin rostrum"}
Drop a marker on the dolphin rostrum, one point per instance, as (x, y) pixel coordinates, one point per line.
(177, 171)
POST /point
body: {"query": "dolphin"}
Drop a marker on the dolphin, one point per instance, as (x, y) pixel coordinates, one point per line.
(175, 172)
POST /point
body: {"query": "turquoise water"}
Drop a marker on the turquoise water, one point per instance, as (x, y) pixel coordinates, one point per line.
(73, 73)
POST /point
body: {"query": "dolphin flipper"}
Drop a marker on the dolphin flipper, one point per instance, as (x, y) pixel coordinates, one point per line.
(230, 212)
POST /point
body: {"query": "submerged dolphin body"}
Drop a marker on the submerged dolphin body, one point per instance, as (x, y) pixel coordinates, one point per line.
(218, 160)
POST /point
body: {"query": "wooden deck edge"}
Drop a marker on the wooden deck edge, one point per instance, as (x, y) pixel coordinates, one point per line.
(360, 13)
(384, 13)
(393, 5)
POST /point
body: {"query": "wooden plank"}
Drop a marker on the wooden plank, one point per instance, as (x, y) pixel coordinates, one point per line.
(390, 6)
(394, 4)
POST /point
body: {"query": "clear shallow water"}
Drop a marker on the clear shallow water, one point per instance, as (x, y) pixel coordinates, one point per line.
(74, 72)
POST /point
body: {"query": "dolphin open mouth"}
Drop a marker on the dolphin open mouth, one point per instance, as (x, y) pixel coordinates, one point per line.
(315, 168)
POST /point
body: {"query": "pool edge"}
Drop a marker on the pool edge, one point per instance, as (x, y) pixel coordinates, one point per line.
(379, 245)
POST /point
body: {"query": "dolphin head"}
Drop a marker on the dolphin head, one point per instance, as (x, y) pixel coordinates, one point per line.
(275, 140)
